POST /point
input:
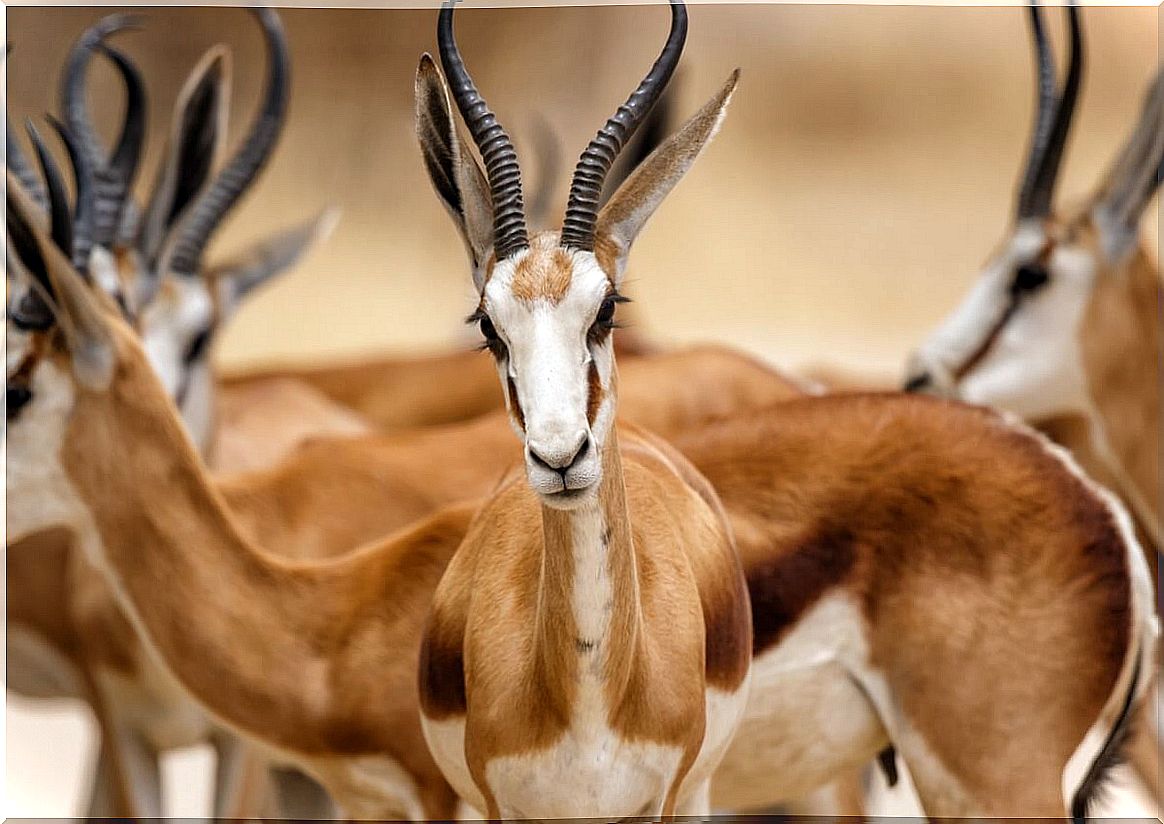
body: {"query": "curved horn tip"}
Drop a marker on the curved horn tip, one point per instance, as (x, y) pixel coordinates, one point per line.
(111, 24)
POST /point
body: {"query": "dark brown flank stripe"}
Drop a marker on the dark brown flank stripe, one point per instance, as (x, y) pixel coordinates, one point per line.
(442, 674)
(784, 588)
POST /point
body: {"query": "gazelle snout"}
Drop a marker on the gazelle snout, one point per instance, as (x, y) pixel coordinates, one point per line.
(552, 457)
(562, 468)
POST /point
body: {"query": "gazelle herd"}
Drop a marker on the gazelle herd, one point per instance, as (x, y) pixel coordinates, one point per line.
(570, 587)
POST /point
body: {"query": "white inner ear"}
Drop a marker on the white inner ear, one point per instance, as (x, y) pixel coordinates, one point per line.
(477, 203)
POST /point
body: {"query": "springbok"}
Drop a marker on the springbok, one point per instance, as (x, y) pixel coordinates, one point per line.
(73, 644)
(588, 649)
(907, 558)
(1062, 326)
(369, 754)
(1062, 322)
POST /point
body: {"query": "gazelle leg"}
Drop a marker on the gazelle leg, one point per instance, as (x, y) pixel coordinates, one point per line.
(298, 796)
(698, 803)
(141, 769)
(104, 800)
(126, 779)
(241, 785)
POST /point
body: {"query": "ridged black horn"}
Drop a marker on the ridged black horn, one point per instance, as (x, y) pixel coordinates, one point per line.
(84, 211)
(497, 152)
(599, 156)
(61, 222)
(207, 212)
(113, 174)
(1053, 120)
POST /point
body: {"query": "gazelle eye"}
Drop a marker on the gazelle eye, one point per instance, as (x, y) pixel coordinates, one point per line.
(488, 330)
(1029, 278)
(197, 347)
(16, 397)
(606, 311)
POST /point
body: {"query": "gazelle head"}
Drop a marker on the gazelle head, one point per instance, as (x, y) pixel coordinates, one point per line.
(548, 303)
(1015, 341)
(152, 261)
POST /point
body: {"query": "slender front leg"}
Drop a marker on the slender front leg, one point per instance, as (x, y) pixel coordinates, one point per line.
(126, 779)
(141, 771)
(105, 797)
(241, 785)
(698, 803)
(298, 796)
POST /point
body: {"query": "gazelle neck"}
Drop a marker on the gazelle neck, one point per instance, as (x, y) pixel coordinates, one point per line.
(1121, 350)
(588, 606)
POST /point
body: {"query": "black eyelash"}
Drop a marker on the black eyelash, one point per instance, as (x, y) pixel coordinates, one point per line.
(600, 329)
(494, 344)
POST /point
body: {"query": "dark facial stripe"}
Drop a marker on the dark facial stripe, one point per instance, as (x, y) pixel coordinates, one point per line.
(515, 405)
(1014, 301)
(442, 676)
(988, 342)
(594, 393)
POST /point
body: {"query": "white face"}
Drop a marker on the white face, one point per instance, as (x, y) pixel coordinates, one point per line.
(556, 363)
(37, 493)
(176, 327)
(1013, 343)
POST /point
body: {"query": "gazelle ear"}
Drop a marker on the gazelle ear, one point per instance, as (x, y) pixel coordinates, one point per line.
(624, 216)
(1133, 178)
(455, 174)
(195, 144)
(70, 299)
(270, 257)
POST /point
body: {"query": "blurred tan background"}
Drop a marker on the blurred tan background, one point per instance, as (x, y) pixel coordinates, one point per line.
(865, 170)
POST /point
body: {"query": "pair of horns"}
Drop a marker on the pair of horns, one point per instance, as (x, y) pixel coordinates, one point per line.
(1053, 114)
(501, 167)
(205, 213)
(113, 173)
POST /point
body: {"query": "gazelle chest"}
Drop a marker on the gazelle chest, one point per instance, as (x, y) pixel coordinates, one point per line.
(590, 770)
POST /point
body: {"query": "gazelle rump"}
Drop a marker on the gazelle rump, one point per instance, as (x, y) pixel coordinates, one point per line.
(1063, 326)
(587, 652)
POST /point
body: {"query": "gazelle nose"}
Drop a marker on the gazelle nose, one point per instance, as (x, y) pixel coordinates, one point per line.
(560, 460)
(918, 383)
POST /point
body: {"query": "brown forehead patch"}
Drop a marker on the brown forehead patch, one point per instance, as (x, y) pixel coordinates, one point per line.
(545, 272)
